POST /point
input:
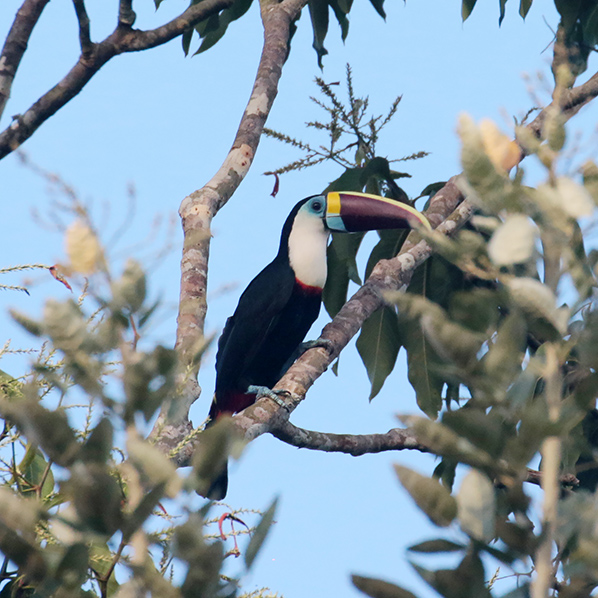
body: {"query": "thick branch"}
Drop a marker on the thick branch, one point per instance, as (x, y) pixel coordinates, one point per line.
(198, 209)
(396, 439)
(123, 39)
(16, 44)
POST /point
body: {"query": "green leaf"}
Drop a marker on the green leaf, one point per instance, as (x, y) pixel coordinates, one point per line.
(505, 354)
(488, 184)
(34, 467)
(10, 388)
(341, 17)
(446, 443)
(484, 430)
(524, 7)
(503, 3)
(422, 371)
(431, 189)
(352, 179)
(342, 267)
(318, 12)
(260, 533)
(477, 506)
(477, 309)
(523, 591)
(186, 40)
(569, 11)
(128, 292)
(430, 496)
(98, 446)
(26, 555)
(466, 581)
(143, 510)
(590, 27)
(101, 558)
(377, 588)
(212, 30)
(96, 496)
(466, 8)
(388, 246)
(72, 570)
(378, 345)
(49, 429)
(513, 242)
(434, 546)
(215, 445)
(204, 560)
(379, 6)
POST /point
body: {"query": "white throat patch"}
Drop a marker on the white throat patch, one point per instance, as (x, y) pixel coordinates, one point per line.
(307, 250)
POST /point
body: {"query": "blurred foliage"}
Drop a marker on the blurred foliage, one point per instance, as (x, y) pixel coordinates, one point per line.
(88, 505)
(500, 332)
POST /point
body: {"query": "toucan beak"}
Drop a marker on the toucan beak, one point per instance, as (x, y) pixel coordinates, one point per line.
(351, 212)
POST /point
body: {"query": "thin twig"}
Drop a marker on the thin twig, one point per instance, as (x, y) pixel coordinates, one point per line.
(353, 444)
(103, 580)
(84, 28)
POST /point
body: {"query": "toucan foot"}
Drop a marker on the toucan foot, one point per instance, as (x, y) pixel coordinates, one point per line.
(323, 343)
(263, 391)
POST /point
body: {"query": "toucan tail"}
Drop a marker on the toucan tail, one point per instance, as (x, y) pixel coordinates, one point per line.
(219, 486)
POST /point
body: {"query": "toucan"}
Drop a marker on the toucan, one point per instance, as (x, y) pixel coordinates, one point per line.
(281, 303)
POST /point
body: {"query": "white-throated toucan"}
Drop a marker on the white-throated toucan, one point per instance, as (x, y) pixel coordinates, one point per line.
(281, 303)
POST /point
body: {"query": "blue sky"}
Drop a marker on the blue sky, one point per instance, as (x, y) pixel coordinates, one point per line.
(165, 122)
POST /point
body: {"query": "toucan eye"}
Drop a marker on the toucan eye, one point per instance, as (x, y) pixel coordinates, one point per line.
(317, 205)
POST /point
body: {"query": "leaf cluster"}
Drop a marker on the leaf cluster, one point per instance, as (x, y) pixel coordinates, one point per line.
(88, 506)
(499, 327)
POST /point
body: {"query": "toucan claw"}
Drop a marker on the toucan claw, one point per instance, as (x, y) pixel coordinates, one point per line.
(322, 343)
(261, 392)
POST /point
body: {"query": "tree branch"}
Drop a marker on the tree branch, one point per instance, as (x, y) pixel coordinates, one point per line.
(126, 14)
(448, 212)
(198, 209)
(448, 215)
(84, 32)
(122, 40)
(396, 439)
(15, 45)
(570, 102)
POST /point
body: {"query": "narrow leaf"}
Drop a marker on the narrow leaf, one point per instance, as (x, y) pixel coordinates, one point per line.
(524, 7)
(378, 345)
(466, 8)
(379, 6)
(318, 12)
(342, 268)
(430, 496)
(260, 533)
(477, 506)
(377, 588)
(439, 545)
(502, 12)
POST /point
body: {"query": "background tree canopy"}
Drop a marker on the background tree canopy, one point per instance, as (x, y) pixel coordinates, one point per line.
(489, 356)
